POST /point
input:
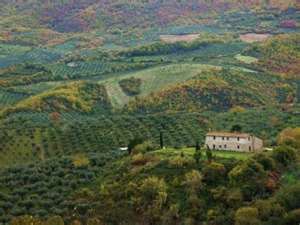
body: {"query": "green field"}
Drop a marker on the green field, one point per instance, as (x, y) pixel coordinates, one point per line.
(246, 59)
(165, 153)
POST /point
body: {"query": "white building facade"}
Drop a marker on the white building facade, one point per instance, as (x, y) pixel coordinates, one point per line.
(240, 142)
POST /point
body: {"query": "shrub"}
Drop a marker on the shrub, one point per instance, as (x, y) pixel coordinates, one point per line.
(240, 176)
(289, 197)
(269, 209)
(234, 198)
(154, 188)
(133, 143)
(290, 136)
(193, 181)
(172, 216)
(247, 216)
(214, 173)
(197, 155)
(292, 217)
(179, 161)
(219, 193)
(284, 155)
(131, 86)
(26, 220)
(94, 221)
(55, 220)
(265, 160)
(242, 172)
(80, 160)
(139, 159)
(237, 109)
(76, 222)
(152, 198)
(146, 146)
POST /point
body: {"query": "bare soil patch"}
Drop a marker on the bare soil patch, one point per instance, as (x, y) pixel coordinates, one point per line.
(253, 37)
(178, 38)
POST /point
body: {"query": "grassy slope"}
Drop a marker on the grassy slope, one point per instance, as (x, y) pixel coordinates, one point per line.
(170, 152)
(153, 79)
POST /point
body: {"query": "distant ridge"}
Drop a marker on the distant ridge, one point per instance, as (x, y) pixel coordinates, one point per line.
(81, 15)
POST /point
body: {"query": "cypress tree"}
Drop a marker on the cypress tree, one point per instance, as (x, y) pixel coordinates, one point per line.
(161, 140)
(209, 155)
(198, 146)
(197, 154)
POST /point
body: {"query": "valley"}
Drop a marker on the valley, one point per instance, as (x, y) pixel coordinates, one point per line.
(82, 80)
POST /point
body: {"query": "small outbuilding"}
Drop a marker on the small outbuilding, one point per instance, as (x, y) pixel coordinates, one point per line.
(123, 148)
(240, 142)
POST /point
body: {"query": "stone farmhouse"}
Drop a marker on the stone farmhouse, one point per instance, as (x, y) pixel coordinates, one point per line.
(233, 142)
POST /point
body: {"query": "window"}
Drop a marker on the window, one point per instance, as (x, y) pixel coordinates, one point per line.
(220, 146)
(223, 138)
(238, 138)
(214, 137)
(227, 138)
(214, 146)
(250, 148)
(238, 147)
(225, 146)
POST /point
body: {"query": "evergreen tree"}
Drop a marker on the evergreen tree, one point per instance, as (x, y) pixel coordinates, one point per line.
(209, 155)
(198, 146)
(161, 140)
(236, 128)
(197, 154)
(134, 142)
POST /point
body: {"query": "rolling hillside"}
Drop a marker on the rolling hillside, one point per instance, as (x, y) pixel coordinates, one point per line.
(191, 87)
(217, 91)
(79, 15)
(153, 80)
(78, 96)
(279, 54)
(82, 79)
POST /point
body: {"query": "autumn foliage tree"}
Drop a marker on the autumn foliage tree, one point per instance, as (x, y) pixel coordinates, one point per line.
(152, 197)
(247, 216)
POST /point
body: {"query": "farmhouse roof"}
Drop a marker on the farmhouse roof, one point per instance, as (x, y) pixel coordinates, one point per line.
(228, 134)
